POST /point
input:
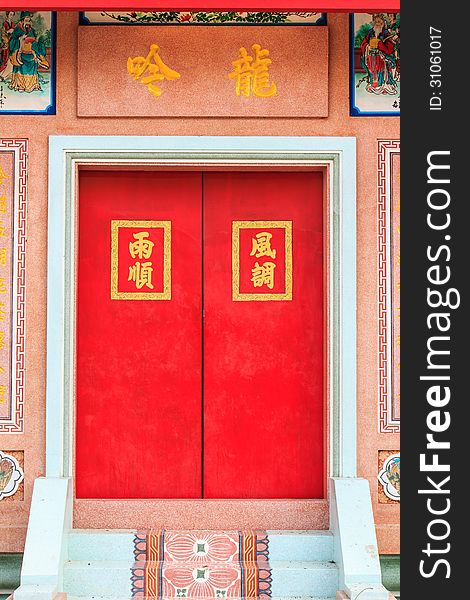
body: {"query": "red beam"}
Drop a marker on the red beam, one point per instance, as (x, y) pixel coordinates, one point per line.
(207, 5)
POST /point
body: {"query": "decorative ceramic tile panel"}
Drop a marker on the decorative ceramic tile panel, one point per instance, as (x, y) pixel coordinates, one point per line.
(201, 565)
(375, 64)
(11, 476)
(201, 18)
(389, 476)
(27, 62)
(13, 177)
(388, 247)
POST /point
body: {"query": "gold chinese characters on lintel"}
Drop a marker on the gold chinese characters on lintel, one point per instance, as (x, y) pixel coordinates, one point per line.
(150, 70)
(140, 266)
(250, 72)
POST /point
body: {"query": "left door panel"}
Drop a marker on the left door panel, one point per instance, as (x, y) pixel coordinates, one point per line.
(138, 366)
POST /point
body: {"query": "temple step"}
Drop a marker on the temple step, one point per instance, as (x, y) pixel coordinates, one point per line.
(290, 579)
(95, 544)
(188, 598)
(125, 564)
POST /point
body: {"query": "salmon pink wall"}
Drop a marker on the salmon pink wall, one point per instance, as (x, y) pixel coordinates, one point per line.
(367, 130)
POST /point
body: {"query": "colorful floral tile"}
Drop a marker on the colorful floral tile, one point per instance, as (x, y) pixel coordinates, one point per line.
(389, 476)
(202, 564)
(11, 476)
(201, 18)
(202, 547)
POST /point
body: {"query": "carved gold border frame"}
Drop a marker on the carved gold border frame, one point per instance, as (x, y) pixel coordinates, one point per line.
(388, 420)
(166, 294)
(236, 226)
(13, 422)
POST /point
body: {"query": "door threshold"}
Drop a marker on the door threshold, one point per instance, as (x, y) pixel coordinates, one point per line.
(202, 514)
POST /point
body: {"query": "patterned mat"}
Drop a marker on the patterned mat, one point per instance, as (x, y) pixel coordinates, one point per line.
(201, 565)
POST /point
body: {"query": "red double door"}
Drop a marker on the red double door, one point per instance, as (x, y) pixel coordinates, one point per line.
(200, 335)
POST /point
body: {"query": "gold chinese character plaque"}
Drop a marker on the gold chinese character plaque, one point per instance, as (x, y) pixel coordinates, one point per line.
(140, 260)
(261, 260)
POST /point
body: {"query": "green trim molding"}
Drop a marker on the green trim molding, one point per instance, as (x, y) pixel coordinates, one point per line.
(10, 572)
(390, 566)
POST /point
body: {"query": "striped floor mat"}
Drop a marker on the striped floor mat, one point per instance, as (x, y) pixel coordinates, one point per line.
(201, 565)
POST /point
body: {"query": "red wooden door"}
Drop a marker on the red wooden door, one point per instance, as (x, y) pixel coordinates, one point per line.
(139, 381)
(263, 357)
(167, 407)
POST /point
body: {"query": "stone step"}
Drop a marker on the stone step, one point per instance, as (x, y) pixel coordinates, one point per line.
(101, 544)
(289, 578)
(150, 598)
(208, 564)
(96, 544)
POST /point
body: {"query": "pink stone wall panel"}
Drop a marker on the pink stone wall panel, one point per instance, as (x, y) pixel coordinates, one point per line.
(7, 185)
(395, 292)
(203, 57)
(14, 516)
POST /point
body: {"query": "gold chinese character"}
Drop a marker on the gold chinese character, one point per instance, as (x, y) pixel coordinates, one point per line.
(156, 70)
(3, 203)
(3, 287)
(143, 247)
(2, 229)
(3, 175)
(3, 257)
(262, 245)
(2, 340)
(252, 74)
(141, 274)
(263, 275)
(2, 394)
(2, 311)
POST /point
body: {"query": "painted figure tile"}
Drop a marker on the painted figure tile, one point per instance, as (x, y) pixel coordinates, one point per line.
(202, 18)
(27, 62)
(375, 64)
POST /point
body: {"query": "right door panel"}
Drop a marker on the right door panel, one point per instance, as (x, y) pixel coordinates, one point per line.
(263, 335)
